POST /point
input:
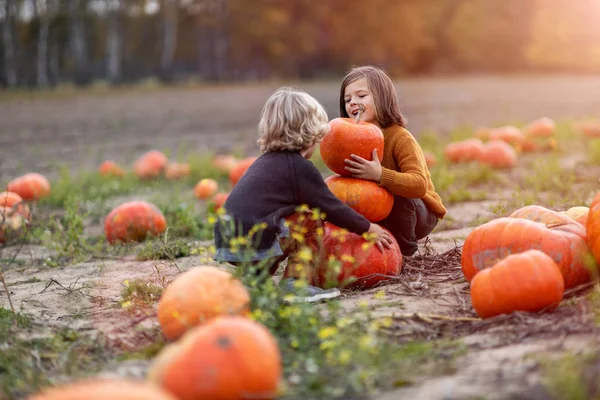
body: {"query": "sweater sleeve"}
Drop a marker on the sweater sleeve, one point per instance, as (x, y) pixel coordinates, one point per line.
(315, 193)
(411, 179)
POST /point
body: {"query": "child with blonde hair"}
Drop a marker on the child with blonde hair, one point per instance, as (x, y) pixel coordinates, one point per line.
(281, 180)
(402, 170)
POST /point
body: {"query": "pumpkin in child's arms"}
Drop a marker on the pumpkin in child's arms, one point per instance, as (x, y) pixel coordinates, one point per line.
(347, 137)
(133, 221)
(365, 197)
(361, 264)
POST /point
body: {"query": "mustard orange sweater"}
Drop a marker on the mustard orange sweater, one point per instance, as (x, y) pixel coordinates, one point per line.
(404, 170)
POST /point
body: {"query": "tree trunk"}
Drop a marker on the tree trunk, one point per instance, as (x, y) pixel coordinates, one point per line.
(113, 46)
(169, 39)
(9, 45)
(42, 45)
(78, 43)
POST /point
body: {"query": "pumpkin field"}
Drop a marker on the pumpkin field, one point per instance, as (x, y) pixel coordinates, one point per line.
(106, 246)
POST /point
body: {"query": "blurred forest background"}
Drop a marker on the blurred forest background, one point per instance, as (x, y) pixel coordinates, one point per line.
(50, 42)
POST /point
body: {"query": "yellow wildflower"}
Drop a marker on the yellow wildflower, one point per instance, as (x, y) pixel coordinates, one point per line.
(212, 219)
(126, 304)
(327, 332)
(379, 295)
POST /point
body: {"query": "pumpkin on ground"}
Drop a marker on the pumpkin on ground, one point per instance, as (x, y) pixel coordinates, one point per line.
(219, 199)
(111, 168)
(565, 244)
(346, 137)
(228, 358)
(430, 159)
(224, 162)
(150, 165)
(540, 128)
(104, 389)
(31, 186)
(177, 170)
(15, 202)
(527, 281)
(498, 154)
(205, 188)
(593, 227)
(14, 215)
(464, 151)
(133, 221)
(362, 264)
(541, 214)
(198, 295)
(239, 169)
(365, 197)
(578, 213)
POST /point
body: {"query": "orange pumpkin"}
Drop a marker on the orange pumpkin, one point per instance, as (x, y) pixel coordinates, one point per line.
(11, 223)
(150, 165)
(578, 213)
(347, 137)
(15, 202)
(509, 134)
(224, 162)
(541, 127)
(498, 154)
(219, 200)
(542, 214)
(111, 168)
(365, 197)
(593, 227)
(464, 151)
(228, 358)
(491, 242)
(239, 169)
(177, 170)
(527, 281)
(133, 221)
(104, 389)
(205, 188)
(198, 295)
(360, 260)
(31, 186)
(590, 128)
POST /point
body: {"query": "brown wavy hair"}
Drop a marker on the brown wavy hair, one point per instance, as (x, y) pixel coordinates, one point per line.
(387, 110)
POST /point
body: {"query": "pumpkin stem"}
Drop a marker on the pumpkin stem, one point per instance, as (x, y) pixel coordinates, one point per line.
(361, 109)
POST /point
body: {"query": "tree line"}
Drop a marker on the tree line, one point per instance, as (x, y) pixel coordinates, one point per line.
(47, 42)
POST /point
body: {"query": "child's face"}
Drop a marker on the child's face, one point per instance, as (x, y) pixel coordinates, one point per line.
(358, 93)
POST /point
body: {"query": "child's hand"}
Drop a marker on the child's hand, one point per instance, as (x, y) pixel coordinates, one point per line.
(382, 237)
(364, 169)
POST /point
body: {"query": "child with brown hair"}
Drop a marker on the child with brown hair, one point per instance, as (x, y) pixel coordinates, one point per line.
(280, 181)
(402, 170)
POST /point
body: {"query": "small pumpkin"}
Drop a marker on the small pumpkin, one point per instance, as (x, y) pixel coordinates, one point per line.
(219, 199)
(464, 151)
(111, 168)
(498, 154)
(150, 165)
(239, 169)
(228, 358)
(104, 389)
(593, 227)
(31, 186)
(346, 137)
(224, 162)
(133, 221)
(543, 127)
(365, 197)
(198, 295)
(15, 202)
(176, 170)
(565, 244)
(205, 188)
(527, 281)
(361, 261)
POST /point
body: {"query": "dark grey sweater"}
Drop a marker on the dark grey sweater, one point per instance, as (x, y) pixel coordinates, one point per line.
(271, 189)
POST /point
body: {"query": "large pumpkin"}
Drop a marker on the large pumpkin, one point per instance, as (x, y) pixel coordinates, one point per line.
(150, 165)
(228, 358)
(198, 295)
(362, 264)
(347, 137)
(365, 197)
(593, 227)
(528, 281)
(133, 221)
(239, 169)
(542, 214)
(31, 186)
(565, 244)
(104, 389)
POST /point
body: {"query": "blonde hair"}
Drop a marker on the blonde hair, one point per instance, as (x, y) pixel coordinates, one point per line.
(387, 110)
(291, 120)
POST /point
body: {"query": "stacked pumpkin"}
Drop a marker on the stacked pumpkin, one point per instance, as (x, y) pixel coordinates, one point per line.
(360, 260)
(527, 260)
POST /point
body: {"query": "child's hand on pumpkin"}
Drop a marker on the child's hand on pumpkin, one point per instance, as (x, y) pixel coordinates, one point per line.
(365, 169)
(382, 237)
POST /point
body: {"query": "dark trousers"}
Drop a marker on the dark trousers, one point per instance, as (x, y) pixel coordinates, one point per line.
(409, 221)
